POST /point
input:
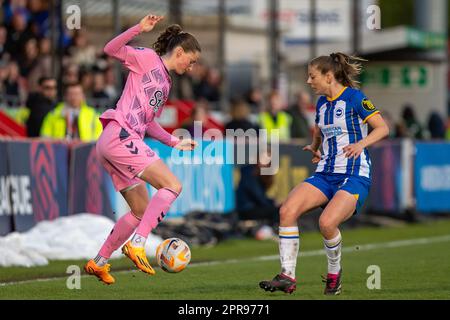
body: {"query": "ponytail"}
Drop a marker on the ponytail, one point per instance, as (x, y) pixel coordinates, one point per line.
(345, 68)
(173, 37)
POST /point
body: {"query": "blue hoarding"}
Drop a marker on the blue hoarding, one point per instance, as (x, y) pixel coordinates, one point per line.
(432, 177)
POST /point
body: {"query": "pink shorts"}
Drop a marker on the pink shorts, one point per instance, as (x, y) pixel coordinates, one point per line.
(124, 155)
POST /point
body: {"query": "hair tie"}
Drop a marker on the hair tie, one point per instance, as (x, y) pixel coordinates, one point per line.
(334, 57)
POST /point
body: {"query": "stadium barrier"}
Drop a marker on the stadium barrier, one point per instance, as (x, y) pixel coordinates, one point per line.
(33, 183)
(43, 180)
(88, 183)
(432, 177)
(392, 177)
(6, 223)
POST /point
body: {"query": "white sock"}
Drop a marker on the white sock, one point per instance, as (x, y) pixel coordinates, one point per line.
(288, 244)
(333, 250)
(138, 241)
(100, 261)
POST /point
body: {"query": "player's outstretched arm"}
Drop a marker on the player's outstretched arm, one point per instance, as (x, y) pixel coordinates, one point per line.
(117, 47)
(149, 22)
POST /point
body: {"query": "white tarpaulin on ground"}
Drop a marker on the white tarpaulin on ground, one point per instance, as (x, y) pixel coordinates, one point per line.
(75, 237)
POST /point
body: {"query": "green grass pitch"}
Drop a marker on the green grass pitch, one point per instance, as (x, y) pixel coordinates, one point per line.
(414, 262)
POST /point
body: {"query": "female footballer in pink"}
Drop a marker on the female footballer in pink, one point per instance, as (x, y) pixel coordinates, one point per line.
(121, 149)
(343, 176)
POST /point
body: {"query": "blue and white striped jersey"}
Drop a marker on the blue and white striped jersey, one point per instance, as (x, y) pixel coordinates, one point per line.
(342, 121)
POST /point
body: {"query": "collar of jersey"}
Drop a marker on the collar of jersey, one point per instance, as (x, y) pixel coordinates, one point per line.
(165, 69)
(338, 95)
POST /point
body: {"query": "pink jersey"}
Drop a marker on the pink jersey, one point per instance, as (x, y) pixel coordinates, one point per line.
(146, 89)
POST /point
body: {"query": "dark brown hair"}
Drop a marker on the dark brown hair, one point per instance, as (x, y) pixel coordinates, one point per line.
(173, 37)
(345, 68)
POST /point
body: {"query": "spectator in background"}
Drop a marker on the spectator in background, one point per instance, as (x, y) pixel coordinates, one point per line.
(110, 85)
(102, 99)
(81, 52)
(87, 81)
(209, 86)
(301, 127)
(43, 67)
(252, 202)
(3, 77)
(275, 118)
(13, 6)
(28, 59)
(3, 35)
(197, 75)
(254, 99)
(71, 74)
(13, 85)
(40, 103)
(436, 126)
(199, 113)
(72, 118)
(39, 14)
(18, 34)
(2, 12)
(409, 126)
(239, 117)
(390, 123)
(447, 132)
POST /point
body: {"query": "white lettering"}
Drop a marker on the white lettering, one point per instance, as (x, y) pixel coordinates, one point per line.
(374, 20)
(74, 20)
(435, 178)
(15, 195)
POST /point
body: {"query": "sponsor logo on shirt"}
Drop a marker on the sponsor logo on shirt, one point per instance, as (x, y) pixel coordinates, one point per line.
(368, 105)
(157, 100)
(331, 131)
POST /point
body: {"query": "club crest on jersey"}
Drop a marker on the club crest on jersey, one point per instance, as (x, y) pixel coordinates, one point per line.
(339, 112)
(368, 105)
(157, 100)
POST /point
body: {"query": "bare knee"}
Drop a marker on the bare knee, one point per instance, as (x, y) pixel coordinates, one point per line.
(138, 211)
(288, 215)
(174, 186)
(327, 226)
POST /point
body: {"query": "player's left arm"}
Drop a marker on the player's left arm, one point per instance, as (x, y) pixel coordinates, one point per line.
(380, 131)
(157, 132)
(371, 115)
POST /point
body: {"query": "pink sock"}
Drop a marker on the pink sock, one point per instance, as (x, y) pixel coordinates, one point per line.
(122, 230)
(156, 210)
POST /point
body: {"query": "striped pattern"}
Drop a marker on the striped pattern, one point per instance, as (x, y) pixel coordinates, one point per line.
(329, 246)
(333, 243)
(288, 234)
(341, 123)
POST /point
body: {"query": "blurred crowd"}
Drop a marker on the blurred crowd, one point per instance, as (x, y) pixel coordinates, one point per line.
(90, 83)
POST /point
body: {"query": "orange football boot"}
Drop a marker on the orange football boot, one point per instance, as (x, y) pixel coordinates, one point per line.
(138, 256)
(102, 273)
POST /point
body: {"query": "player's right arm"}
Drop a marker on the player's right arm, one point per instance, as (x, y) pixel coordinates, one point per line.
(131, 57)
(315, 145)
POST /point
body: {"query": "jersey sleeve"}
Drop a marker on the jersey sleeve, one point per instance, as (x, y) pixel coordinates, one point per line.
(157, 132)
(135, 59)
(364, 107)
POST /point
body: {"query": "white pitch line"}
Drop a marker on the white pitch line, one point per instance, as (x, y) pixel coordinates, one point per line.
(310, 253)
(355, 248)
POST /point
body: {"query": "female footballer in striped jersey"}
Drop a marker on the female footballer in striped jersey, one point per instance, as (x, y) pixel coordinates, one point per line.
(343, 176)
